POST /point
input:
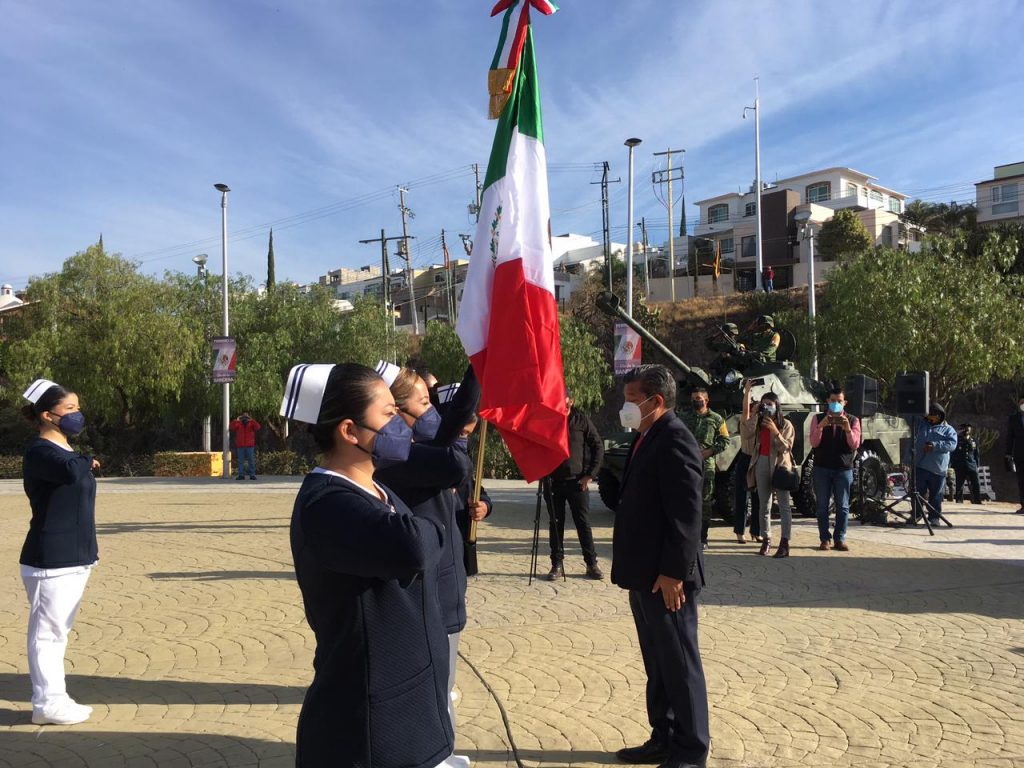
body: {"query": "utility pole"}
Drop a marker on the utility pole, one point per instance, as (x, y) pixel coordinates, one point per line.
(666, 177)
(759, 261)
(404, 250)
(474, 207)
(449, 302)
(647, 268)
(606, 219)
(385, 277)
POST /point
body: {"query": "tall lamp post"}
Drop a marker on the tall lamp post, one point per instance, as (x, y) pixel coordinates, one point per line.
(225, 433)
(204, 274)
(807, 233)
(631, 143)
(757, 178)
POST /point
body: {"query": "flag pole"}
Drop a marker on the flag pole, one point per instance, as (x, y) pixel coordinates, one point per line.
(471, 562)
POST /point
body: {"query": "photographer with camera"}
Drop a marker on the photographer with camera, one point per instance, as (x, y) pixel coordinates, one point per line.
(773, 436)
(835, 438)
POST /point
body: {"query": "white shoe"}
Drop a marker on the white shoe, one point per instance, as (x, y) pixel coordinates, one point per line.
(456, 761)
(67, 712)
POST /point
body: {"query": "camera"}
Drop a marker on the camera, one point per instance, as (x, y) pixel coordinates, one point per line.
(756, 382)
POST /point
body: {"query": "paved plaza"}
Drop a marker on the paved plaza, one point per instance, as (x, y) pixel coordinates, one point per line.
(192, 647)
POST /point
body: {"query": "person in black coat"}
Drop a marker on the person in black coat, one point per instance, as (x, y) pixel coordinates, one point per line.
(1015, 448)
(427, 483)
(366, 567)
(570, 483)
(466, 511)
(60, 549)
(964, 461)
(656, 555)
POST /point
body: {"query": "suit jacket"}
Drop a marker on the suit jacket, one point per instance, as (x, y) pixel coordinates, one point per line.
(1015, 435)
(658, 518)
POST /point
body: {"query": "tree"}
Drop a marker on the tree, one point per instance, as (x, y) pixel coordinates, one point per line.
(945, 218)
(843, 236)
(443, 353)
(890, 311)
(587, 374)
(271, 279)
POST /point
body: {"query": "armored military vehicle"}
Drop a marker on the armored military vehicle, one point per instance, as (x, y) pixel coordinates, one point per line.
(800, 397)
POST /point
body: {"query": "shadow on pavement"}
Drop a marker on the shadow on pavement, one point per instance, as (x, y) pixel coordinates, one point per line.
(222, 575)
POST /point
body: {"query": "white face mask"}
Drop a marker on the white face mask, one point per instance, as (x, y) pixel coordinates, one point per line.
(1021, 406)
(630, 416)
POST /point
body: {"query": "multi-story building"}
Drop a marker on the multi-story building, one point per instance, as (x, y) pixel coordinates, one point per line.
(729, 221)
(1001, 199)
(346, 276)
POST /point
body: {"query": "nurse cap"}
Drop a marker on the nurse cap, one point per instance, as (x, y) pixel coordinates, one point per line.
(37, 389)
(304, 392)
(387, 371)
(446, 393)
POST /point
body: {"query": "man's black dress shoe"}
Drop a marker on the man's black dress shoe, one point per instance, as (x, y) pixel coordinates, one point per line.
(651, 752)
(682, 764)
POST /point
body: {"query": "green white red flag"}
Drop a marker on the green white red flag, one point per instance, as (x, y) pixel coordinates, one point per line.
(508, 318)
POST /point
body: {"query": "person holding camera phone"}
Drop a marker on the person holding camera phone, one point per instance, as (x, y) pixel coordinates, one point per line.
(773, 436)
(835, 438)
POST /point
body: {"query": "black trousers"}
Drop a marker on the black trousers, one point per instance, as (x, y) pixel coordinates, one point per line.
(969, 476)
(1019, 461)
(740, 467)
(569, 491)
(677, 696)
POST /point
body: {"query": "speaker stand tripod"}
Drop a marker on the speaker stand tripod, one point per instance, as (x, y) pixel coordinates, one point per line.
(919, 507)
(543, 493)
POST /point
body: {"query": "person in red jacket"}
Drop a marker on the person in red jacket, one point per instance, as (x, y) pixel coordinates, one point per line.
(245, 428)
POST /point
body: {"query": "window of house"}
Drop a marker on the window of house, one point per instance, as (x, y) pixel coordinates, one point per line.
(819, 192)
(726, 244)
(887, 237)
(876, 195)
(851, 190)
(749, 246)
(1005, 199)
(894, 205)
(750, 209)
(718, 213)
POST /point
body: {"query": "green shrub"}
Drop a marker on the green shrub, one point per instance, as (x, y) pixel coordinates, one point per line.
(172, 464)
(10, 467)
(282, 463)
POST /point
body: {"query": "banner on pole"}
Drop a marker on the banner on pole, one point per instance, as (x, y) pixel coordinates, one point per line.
(627, 349)
(223, 360)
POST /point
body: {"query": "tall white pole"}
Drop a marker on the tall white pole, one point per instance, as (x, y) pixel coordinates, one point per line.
(226, 415)
(757, 181)
(811, 308)
(629, 229)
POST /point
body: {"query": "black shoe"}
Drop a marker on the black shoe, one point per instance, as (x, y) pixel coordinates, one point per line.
(240, 477)
(1020, 511)
(650, 752)
(555, 573)
(252, 477)
(683, 764)
(594, 572)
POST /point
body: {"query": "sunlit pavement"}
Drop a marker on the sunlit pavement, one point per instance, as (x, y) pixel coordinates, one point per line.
(191, 645)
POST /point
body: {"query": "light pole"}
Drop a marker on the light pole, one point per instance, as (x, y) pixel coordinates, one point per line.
(807, 233)
(757, 178)
(224, 434)
(204, 274)
(631, 143)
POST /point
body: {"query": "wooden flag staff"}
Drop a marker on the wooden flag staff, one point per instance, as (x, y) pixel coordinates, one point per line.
(471, 563)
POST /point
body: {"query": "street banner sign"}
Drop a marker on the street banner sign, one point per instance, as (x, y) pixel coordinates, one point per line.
(223, 359)
(627, 349)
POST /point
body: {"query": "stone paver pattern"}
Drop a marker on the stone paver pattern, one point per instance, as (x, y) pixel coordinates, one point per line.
(192, 647)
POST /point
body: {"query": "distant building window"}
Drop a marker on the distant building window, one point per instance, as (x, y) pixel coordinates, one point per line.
(887, 237)
(1005, 199)
(749, 246)
(851, 190)
(876, 195)
(750, 209)
(717, 213)
(819, 192)
(727, 245)
(895, 205)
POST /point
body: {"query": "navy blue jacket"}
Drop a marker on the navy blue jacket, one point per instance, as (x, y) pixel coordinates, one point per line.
(380, 671)
(658, 518)
(427, 483)
(61, 490)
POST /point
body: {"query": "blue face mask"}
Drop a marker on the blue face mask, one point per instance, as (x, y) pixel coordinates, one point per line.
(426, 426)
(392, 444)
(462, 444)
(71, 423)
(835, 407)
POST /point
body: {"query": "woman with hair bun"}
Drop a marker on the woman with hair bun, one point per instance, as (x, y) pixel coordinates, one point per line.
(60, 549)
(366, 568)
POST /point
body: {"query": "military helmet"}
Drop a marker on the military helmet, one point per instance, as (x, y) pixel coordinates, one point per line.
(766, 320)
(730, 328)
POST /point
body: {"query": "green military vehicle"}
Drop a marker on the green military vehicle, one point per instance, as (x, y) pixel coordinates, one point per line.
(800, 398)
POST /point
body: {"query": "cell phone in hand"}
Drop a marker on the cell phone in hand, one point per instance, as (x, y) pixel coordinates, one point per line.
(756, 382)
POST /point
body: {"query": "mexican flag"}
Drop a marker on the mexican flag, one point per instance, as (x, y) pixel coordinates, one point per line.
(508, 319)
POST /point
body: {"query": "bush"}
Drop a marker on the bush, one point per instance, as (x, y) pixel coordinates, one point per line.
(141, 465)
(498, 462)
(282, 463)
(170, 464)
(10, 467)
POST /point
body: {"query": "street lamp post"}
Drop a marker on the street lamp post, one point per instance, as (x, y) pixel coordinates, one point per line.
(226, 415)
(757, 178)
(631, 143)
(807, 233)
(204, 274)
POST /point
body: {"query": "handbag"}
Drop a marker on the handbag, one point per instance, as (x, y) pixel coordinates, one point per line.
(785, 479)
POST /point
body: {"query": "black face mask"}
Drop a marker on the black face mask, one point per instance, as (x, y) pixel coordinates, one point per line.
(698, 405)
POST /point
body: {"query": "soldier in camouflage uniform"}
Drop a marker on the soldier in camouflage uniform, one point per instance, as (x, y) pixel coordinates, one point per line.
(725, 341)
(762, 341)
(713, 437)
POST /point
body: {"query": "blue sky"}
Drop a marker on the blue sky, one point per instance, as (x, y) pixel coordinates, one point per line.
(120, 116)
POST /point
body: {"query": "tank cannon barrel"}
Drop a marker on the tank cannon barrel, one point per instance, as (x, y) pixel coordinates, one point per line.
(609, 303)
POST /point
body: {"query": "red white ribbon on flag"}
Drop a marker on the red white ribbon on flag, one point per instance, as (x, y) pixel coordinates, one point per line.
(515, 50)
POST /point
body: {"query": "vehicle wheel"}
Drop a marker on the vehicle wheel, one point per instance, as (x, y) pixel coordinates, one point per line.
(869, 474)
(608, 488)
(803, 497)
(725, 494)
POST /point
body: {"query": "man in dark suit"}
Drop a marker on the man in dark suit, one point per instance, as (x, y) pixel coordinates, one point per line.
(656, 555)
(1015, 448)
